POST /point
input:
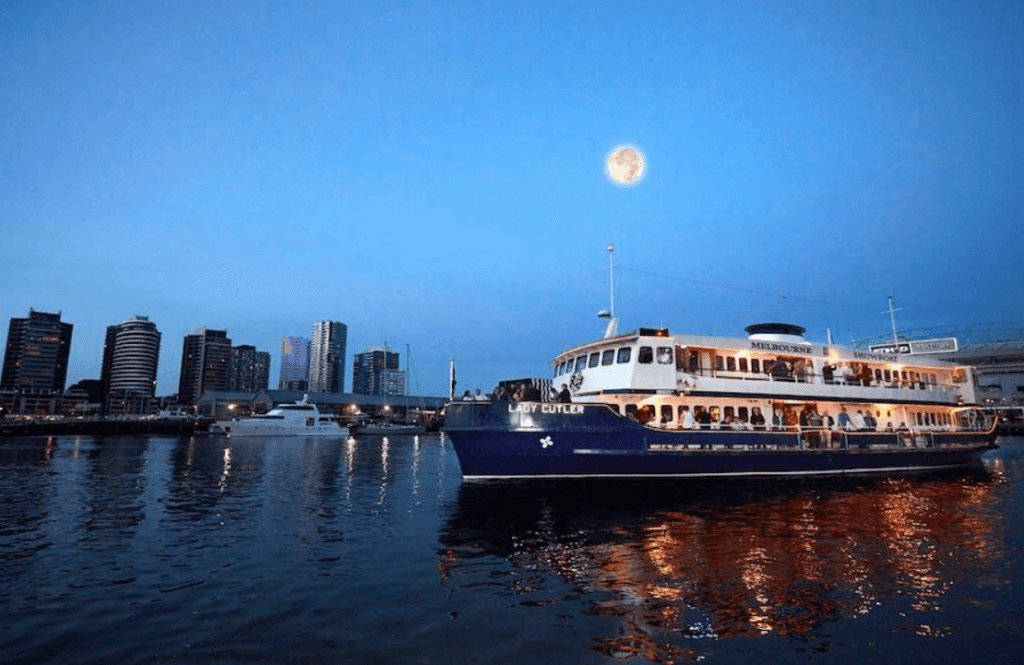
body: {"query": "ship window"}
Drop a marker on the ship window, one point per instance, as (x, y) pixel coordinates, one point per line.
(595, 358)
(615, 408)
(646, 355)
(719, 363)
(730, 363)
(743, 415)
(608, 357)
(666, 413)
(715, 414)
(631, 410)
(624, 354)
(888, 375)
(755, 365)
(730, 412)
(743, 364)
(878, 375)
(664, 355)
(581, 362)
(694, 361)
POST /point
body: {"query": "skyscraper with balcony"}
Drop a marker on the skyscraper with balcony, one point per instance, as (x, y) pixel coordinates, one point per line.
(327, 357)
(375, 372)
(250, 369)
(36, 357)
(130, 356)
(205, 364)
(294, 364)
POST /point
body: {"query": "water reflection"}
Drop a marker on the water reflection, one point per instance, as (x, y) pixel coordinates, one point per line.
(677, 566)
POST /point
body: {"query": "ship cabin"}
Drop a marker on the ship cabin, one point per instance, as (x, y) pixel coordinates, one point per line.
(656, 377)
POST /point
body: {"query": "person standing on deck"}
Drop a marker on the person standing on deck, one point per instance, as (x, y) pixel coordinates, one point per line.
(844, 420)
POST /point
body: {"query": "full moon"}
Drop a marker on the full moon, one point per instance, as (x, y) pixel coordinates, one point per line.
(625, 165)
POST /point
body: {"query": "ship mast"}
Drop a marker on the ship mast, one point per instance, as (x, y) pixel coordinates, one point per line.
(892, 317)
(613, 321)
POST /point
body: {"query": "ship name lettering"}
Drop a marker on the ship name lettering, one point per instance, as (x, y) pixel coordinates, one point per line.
(785, 348)
(565, 409)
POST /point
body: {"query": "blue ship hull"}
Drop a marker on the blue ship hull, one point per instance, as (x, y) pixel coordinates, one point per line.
(515, 440)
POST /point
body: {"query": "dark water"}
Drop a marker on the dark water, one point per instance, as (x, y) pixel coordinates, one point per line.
(162, 549)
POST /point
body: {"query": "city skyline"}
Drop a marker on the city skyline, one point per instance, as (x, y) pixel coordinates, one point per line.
(435, 176)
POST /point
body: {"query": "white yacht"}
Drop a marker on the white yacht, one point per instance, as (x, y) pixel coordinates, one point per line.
(299, 419)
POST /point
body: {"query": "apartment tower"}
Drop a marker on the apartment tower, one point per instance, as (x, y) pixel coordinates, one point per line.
(130, 356)
(36, 357)
(327, 357)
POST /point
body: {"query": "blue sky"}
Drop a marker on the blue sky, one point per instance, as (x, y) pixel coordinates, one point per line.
(431, 173)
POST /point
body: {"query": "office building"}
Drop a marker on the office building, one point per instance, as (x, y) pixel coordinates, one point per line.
(36, 357)
(205, 364)
(250, 369)
(130, 356)
(294, 364)
(327, 357)
(375, 372)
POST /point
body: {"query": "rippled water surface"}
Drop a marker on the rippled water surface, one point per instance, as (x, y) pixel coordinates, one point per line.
(152, 549)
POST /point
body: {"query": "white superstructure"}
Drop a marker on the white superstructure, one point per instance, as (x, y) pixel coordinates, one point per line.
(775, 370)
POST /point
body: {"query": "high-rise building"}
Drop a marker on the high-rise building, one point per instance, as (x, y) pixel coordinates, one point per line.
(327, 357)
(250, 369)
(205, 364)
(294, 364)
(130, 356)
(375, 372)
(36, 358)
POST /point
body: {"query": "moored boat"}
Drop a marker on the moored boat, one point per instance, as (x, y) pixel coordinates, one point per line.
(388, 428)
(302, 418)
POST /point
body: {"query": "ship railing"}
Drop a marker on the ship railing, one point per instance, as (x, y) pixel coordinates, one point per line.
(797, 438)
(809, 377)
